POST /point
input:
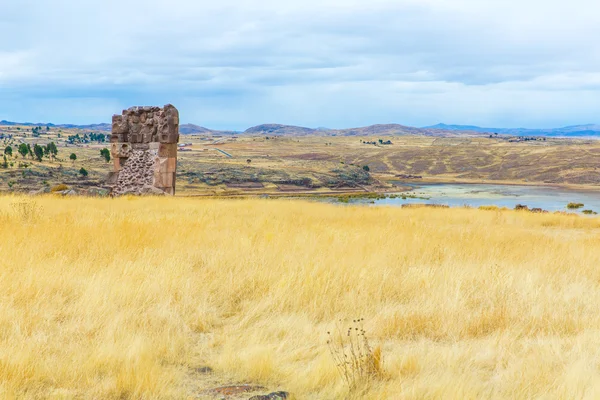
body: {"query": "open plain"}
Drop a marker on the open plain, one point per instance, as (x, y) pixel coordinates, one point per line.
(233, 165)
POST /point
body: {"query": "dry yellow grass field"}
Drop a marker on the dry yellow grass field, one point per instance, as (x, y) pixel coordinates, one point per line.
(125, 298)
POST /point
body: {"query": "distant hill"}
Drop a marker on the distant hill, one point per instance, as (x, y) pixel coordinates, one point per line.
(189, 129)
(92, 127)
(280, 130)
(567, 131)
(377, 130)
(388, 130)
(183, 129)
(443, 130)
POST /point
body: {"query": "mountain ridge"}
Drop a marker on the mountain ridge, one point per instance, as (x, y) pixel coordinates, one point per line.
(441, 129)
(567, 131)
(377, 129)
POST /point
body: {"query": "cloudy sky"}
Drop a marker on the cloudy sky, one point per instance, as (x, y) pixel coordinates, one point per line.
(231, 64)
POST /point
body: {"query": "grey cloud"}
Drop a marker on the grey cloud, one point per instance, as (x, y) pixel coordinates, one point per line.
(380, 61)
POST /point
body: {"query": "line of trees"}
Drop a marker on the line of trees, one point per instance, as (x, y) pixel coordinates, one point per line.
(37, 152)
(86, 138)
(37, 130)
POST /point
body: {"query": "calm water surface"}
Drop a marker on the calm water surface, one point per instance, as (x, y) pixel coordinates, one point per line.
(475, 195)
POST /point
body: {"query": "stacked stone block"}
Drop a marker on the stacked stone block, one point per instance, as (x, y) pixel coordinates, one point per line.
(144, 150)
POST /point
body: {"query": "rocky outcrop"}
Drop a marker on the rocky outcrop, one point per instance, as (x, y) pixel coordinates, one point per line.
(234, 390)
(144, 149)
(272, 396)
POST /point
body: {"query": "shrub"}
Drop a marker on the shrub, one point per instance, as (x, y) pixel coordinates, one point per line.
(589, 212)
(83, 172)
(59, 188)
(574, 206)
(106, 154)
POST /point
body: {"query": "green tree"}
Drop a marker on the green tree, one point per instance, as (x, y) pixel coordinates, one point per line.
(73, 157)
(23, 150)
(106, 154)
(38, 152)
(366, 168)
(52, 149)
(83, 172)
(29, 150)
(8, 151)
(5, 162)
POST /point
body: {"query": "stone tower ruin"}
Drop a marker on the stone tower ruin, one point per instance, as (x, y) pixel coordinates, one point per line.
(144, 150)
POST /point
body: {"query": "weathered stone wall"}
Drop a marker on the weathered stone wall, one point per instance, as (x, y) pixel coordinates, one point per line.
(144, 149)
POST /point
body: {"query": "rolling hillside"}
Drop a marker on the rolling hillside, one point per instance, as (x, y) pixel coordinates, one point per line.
(567, 131)
(442, 130)
(379, 130)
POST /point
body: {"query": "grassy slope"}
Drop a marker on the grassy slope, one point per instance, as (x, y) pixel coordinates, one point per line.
(123, 298)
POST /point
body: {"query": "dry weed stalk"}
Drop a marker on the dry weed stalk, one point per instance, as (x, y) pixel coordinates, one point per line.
(26, 210)
(356, 361)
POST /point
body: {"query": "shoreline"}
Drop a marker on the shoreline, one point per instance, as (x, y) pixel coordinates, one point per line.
(461, 181)
(367, 192)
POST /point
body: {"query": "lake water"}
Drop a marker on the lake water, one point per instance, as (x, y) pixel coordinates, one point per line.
(475, 195)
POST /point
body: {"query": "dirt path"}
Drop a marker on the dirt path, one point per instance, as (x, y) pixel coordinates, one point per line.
(224, 152)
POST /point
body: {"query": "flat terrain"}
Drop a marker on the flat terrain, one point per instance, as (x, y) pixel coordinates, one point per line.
(136, 297)
(551, 161)
(234, 165)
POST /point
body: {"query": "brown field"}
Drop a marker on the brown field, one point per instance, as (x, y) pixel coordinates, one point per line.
(324, 165)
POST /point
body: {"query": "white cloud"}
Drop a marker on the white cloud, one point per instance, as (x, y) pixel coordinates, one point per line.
(336, 63)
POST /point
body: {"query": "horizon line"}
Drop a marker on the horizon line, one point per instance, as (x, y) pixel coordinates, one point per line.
(316, 129)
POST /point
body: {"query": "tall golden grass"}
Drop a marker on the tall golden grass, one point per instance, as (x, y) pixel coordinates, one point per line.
(124, 298)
